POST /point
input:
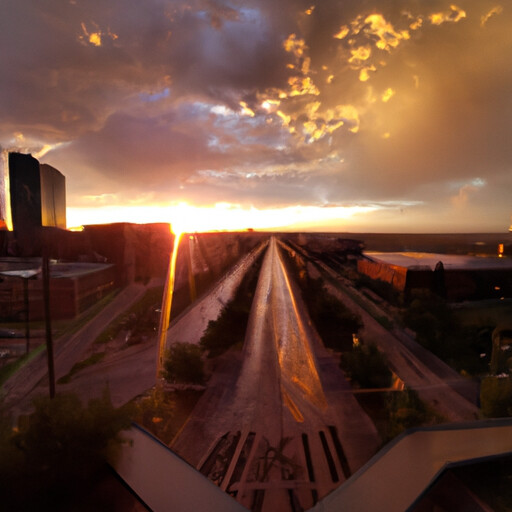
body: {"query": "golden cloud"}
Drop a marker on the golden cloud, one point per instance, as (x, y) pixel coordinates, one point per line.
(343, 32)
(373, 29)
(364, 74)
(388, 94)
(360, 54)
(95, 37)
(454, 15)
(246, 111)
(270, 104)
(388, 37)
(285, 118)
(415, 25)
(295, 45)
(494, 11)
(301, 86)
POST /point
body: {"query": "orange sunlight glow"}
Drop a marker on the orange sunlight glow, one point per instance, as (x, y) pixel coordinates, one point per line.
(186, 218)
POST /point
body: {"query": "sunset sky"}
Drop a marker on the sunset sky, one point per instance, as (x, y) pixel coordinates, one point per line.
(332, 115)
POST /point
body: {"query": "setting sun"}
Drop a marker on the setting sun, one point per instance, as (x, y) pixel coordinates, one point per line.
(186, 218)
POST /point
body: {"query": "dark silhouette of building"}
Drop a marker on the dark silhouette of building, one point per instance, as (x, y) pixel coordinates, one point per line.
(454, 277)
(37, 194)
(24, 192)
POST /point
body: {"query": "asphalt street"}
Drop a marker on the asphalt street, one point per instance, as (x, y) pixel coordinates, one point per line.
(274, 427)
(32, 379)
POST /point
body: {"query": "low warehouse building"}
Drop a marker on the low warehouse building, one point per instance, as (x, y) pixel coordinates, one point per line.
(455, 277)
(74, 287)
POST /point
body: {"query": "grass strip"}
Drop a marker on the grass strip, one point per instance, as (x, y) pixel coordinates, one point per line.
(71, 327)
(334, 322)
(366, 304)
(8, 370)
(135, 312)
(93, 359)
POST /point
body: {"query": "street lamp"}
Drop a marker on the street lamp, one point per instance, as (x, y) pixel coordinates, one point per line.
(165, 312)
(24, 275)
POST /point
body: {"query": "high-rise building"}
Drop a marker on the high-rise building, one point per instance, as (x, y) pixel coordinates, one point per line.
(37, 194)
(53, 197)
(5, 212)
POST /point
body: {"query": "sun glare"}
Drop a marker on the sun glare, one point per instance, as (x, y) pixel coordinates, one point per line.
(186, 218)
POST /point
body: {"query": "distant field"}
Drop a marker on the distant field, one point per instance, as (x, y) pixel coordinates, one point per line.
(491, 312)
(466, 243)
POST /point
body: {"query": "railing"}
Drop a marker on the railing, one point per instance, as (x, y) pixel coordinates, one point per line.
(393, 480)
(164, 481)
(396, 477)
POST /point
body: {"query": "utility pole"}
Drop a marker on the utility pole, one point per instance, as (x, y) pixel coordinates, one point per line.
(48, 322)
(27, 316)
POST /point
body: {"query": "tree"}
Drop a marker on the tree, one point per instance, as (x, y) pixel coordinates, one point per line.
(156, 412)
(229, 328)
(334, 322)
(58, 451)
(365, 365)
(432, 320)
(406, 410)
(496, 397)
(183, 363)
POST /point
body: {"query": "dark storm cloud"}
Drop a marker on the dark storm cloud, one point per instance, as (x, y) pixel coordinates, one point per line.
(265, 103)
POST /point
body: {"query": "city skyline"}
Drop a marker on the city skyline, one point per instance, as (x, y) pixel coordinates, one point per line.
(376, 116)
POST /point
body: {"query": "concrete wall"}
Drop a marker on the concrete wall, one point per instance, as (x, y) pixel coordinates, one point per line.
(164, 481)
(392, 274)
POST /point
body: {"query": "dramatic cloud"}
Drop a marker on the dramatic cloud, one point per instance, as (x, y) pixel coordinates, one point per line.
(397, 107)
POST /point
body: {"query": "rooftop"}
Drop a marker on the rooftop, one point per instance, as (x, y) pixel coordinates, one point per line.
(450, 261)
(18, 267)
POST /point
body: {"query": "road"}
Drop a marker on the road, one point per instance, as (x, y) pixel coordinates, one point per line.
(128, 372)
(190, 325)
(278, 427)
(436, 385)
(32, 379)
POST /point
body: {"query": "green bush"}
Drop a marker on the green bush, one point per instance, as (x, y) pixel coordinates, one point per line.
(431, 318)
(334, 322)
(156, 412)
(406, 410)
(438, 329)
(56, 453)
(496, 397)
(229, 328)
(383, 289)
(367, 366)
(77, 367)
(226, 331)
(141, 319)
(183, 363)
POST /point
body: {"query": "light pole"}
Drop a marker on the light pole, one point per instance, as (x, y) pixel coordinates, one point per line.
(24, 275)
(165, 312)
(48, 323)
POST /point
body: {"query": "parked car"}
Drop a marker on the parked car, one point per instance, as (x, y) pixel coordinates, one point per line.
(9, 333)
